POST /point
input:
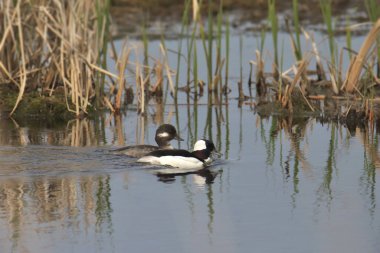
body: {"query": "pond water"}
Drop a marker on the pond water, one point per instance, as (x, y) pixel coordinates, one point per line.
(282, 184)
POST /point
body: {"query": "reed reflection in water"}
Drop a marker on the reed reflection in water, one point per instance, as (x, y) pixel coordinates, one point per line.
(33, 207)
(63, 189)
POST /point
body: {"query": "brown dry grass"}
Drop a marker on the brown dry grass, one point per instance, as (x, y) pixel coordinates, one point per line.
(357, 62)
(47, 44)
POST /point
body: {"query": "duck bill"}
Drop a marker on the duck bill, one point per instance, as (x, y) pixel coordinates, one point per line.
(216, 153)
(178, 138)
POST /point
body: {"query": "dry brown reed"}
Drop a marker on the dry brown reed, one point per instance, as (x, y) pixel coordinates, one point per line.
(260, 79)
(167, 68)
(158, 70)
(121, 66)
(300, 77)
(50, 44)
(357, 62)
(299, 71)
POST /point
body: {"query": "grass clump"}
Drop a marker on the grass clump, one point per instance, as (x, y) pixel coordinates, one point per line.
(50, 44)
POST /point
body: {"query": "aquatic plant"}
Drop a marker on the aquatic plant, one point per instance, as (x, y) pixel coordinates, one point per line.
(348, 37)
(326, 9)
(297, 28)
(184, 25)
(210, 38)
(272, 16)
(65, 50)
(227, 41)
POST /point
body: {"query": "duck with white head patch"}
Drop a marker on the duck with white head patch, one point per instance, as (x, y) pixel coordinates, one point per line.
(180, 160)
(164, 134)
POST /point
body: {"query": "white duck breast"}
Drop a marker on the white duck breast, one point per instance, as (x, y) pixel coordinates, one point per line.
(182, 159)
(184, 163)
(175, 158)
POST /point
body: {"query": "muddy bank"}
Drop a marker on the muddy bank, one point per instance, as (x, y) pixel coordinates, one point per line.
(35, 106)
(346, 110)
(161, 15)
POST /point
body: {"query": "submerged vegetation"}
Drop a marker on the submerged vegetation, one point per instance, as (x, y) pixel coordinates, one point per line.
(57, 51)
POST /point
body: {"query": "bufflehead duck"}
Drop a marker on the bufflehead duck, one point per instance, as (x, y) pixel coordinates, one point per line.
(164, 134)
(183, 160)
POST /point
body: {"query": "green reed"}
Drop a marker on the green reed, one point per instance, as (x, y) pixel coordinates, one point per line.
(272, 16)
(227, 38)
(262, 37)
(146, 68)
(195, 71)
(326, 8)
(373, 9)
(219, 47)
(210, 44)
(280, 82)
(297, 28)
(190, 45)
(205, 49)
(192, 54)
(348, 37)
(184, 25)
(102, 10)
(145, 44)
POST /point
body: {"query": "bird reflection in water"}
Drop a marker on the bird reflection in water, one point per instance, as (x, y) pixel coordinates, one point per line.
(201, 177)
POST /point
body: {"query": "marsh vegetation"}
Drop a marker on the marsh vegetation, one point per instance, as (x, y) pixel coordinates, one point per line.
(58, 52)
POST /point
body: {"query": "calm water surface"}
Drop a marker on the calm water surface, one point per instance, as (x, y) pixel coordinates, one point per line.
(281, 185)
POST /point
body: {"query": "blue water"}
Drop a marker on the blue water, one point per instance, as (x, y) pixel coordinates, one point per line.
(304, 188)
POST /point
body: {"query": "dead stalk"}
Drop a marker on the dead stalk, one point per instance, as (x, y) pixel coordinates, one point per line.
(299, 72)
(23, 68)
(358, 61)
(167, 68)
(121, 68)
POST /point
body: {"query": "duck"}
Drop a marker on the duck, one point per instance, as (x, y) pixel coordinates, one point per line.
(164, 134)
(180, 160)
